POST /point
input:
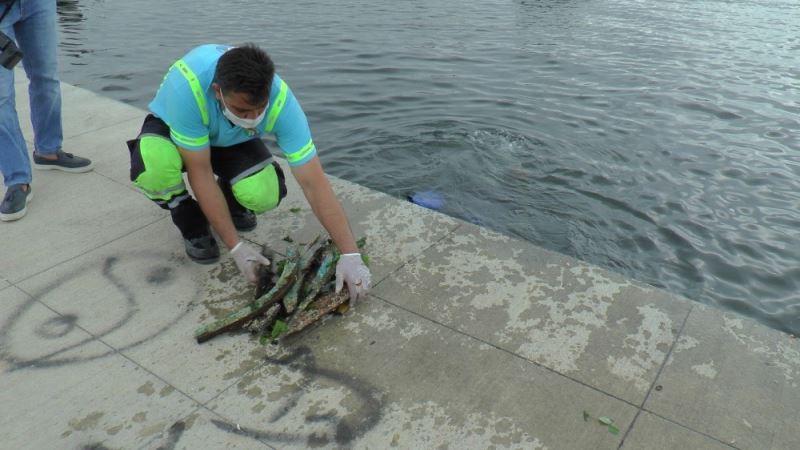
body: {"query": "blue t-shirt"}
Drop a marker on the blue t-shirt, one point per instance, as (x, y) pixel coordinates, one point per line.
(175, 103)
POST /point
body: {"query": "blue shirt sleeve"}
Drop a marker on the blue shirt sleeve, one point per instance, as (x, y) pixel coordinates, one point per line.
(175, 104)
(293, 134)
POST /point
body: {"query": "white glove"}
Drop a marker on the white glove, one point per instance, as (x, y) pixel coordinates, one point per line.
(247, 260)
(351, 269)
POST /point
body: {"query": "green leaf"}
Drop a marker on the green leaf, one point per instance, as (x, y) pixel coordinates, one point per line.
(279, 328)
(361, 242)
(605, 420)
(586, 416)
(288, 239)
(295, 210)
(263, 340)
(613, 429)
(365, 258)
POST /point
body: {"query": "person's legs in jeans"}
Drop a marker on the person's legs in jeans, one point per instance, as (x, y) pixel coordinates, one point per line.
(15, 163)
(37, 38)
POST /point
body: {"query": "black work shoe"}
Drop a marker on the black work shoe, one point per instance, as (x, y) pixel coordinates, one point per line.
(244, 220)
(15, 202)
(64, 161)
(203, 249)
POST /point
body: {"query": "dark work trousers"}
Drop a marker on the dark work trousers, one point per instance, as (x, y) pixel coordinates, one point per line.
(228, 163)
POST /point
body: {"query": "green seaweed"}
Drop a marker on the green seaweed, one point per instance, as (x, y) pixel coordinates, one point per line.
(279, 328)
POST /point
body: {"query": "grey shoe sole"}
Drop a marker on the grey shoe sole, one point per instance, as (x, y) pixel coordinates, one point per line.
(83, 169)
(211, 260)
(19, 214)
(208, 255)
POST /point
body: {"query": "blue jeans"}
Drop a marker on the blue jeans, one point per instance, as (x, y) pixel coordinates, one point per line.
(32, 24)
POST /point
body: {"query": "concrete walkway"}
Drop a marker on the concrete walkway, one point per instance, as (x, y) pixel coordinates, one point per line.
(470, 340)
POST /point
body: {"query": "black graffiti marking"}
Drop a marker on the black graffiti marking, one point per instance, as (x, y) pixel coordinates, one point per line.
(107, 266)
(57, 326)
(329, 417)
(255, 434)
(159, 275)
(288, 406)
(175, 433)
(347, 429)
(354, 424)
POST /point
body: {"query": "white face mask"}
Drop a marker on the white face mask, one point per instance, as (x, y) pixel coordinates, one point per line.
(239, 121)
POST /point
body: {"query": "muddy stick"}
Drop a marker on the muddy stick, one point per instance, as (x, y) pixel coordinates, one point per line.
(237, 318)
(266, 273)
(327, 269)
(312, 256)
(260, 325)
(317, 309)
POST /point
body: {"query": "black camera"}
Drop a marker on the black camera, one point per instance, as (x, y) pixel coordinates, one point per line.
(10, 54)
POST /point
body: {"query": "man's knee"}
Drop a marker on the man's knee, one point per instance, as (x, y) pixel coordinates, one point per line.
(156, 167)
(261, 191)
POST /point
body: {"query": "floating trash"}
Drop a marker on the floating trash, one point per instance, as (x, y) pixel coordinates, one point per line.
(427, 199)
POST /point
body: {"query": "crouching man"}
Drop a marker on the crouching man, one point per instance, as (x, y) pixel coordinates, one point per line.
(207, 119)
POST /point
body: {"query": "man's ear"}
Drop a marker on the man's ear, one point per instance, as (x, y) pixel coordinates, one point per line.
(217, 90)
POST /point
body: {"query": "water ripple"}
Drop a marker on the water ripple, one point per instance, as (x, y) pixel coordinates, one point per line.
(647, 137)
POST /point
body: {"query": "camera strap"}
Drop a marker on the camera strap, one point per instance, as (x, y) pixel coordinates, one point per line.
(8, 8)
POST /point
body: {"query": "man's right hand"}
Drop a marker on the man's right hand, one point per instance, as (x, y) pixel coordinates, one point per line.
(248, 260)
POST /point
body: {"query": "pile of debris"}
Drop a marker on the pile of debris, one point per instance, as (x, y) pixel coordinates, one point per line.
(302, 294)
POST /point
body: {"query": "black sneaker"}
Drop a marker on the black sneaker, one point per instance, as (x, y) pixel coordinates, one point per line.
(15, 202)
(64, 161)
(203, 249)
(244, 220)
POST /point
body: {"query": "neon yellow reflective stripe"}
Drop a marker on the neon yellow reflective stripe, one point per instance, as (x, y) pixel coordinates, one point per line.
(199, 96)
(260, 191)
(191, 142)
(276, 109)
(162, 178)
(162, 195)
(302, 153)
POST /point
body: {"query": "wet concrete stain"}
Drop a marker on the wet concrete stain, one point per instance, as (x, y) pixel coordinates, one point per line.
(146, 389)
(160, 275)
(151, 430)
(222, 355)
(258, 408)
(86, 423)
(165, 391)
(224, 290)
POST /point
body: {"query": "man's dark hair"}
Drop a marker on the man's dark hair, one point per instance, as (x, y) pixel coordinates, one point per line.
(248, 70)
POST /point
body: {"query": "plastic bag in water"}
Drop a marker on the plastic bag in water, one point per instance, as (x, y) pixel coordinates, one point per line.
(427, 199)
